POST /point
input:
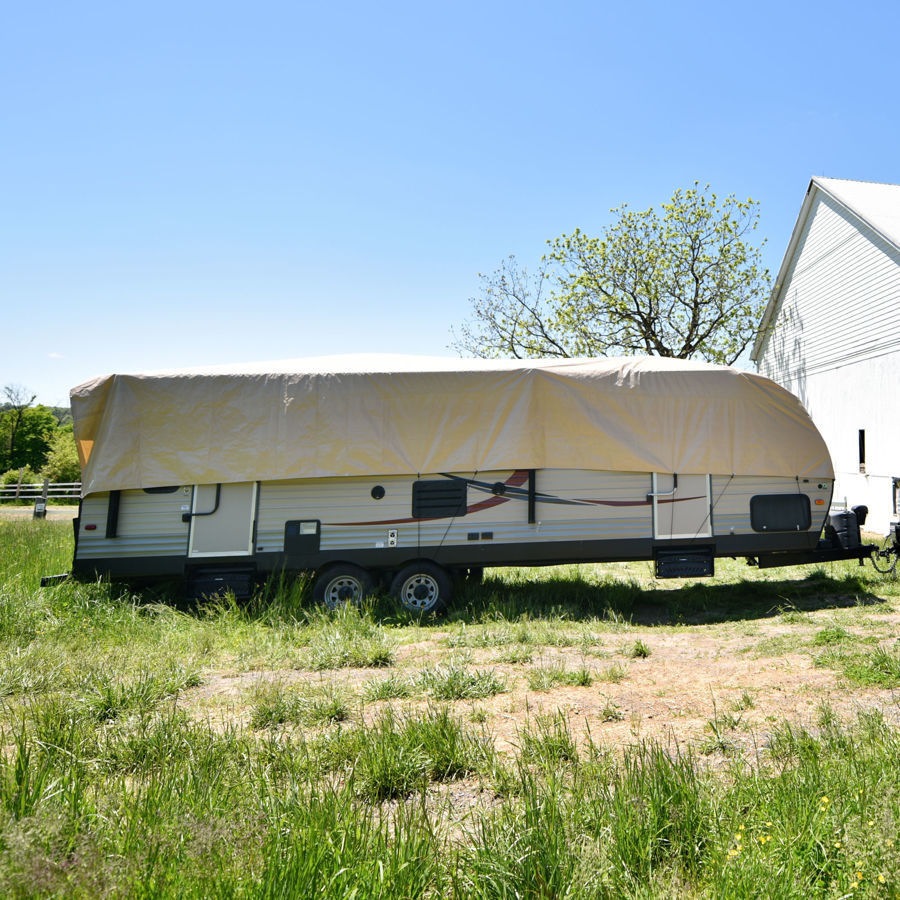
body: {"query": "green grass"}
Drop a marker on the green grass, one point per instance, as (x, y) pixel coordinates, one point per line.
(613, 673)
(455, 682)
(273, 703)
(393, 687)
(637, 650)
(872, 666)
(124, 771)
(545, 678)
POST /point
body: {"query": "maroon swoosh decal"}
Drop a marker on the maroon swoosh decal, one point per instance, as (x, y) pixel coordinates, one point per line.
(636, 502)
(613, 502)
(518, 478)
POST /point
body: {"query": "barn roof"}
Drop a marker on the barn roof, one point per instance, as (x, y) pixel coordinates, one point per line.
(873, 205)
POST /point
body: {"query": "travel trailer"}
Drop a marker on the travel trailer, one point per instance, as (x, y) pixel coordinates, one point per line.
(412, 472)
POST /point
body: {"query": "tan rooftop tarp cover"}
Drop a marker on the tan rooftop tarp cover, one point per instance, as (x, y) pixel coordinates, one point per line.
(386, 415)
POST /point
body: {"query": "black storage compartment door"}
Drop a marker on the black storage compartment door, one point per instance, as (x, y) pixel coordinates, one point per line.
(780, 512)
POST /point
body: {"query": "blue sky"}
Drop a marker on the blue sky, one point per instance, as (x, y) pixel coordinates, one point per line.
(195, 183)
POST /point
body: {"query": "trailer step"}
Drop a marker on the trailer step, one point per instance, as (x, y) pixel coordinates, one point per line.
(208, 583)
(688, 563)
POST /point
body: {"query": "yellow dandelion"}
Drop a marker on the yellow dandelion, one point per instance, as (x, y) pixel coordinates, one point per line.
(825, 799)
(837, 845)
(859, 875)
(854, 884)
(881, 878)
(740, 827)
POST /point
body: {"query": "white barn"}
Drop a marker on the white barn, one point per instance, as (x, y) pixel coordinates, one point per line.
(831, 335)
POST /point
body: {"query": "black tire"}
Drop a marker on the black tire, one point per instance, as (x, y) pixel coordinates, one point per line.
(423, 587)
(342, 583)
(884, 559)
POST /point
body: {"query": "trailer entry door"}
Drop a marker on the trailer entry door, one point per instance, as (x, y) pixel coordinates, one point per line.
(681, 511)
(222, 520)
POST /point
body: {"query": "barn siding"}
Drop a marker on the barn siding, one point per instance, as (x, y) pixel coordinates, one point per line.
(835, 343)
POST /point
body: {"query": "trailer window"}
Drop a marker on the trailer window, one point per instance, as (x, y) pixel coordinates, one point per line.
(780, 512)
(438, 499)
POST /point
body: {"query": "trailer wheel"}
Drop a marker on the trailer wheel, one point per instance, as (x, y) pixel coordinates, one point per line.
(341, 584)
(422, 587)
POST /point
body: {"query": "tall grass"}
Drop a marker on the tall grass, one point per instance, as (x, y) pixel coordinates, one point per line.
(116, 781)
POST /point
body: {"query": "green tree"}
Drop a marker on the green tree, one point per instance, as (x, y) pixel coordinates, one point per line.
(17, 400)
(683, 283)
(62, 463)
(25, 430)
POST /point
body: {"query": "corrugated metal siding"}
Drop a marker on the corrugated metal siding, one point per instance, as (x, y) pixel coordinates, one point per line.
(332, 501)
(731, 500)
(598, 487)
(841, 300)
(352, 520)
(149, 525)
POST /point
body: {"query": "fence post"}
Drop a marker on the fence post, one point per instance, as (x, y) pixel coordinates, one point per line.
(19, 483)
(40, 505)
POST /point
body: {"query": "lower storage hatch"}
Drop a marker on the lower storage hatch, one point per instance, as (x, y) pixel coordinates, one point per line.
(687, 563)
(207, 583)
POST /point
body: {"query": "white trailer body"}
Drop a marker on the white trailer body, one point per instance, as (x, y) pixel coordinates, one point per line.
(351, 469)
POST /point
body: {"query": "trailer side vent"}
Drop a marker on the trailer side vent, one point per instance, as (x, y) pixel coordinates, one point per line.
(438, 499)
(780, 512)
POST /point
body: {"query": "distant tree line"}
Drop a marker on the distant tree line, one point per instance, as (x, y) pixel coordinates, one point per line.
(35, 440)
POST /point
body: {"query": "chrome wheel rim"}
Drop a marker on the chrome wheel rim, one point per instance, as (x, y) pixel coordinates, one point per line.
(342, 590)
(419, 592)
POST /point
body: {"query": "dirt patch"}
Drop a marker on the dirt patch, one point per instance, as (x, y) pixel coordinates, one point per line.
(720, 689)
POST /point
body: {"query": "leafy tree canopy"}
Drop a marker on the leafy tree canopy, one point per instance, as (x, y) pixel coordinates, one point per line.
(62, 463)
(683, 282)
(25, 437)
(26, 431)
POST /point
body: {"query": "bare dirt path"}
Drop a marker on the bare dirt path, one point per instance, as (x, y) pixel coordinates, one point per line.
(722, 689)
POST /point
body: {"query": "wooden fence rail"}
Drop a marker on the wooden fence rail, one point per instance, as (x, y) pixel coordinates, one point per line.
(46, 489)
